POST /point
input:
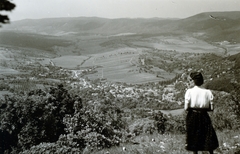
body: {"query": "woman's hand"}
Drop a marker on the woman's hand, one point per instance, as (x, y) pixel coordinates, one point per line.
(211, 106)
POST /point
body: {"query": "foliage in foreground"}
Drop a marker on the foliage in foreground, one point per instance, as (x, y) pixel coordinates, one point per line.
(56, 116)
(97, 126)
(58, 122)
(34, 118)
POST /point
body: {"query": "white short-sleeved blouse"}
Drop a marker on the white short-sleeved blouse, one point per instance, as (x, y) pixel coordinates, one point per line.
(198, 97)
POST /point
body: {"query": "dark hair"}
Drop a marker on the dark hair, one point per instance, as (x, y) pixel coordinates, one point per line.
(197, 78)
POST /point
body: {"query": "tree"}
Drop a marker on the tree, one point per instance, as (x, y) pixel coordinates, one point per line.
(5, 5)
(28, 120)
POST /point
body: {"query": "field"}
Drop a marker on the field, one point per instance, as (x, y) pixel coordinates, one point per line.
(181, 44)
(5, 59)
(231, 48)
(68, 61)
(121, 65)
(119, 59)
(4, 71)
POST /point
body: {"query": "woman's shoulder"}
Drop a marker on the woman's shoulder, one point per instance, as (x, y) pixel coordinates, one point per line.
(188, 90)
(202, 89)
(207, 90)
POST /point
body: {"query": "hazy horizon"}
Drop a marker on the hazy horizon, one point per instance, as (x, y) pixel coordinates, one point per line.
(34, 9)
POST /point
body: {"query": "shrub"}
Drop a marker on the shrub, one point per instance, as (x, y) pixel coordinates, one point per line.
(97, 125)
(159, 121)
(36, 117)
(175, 124)
(51, 148)
(44, 121)
(226, 112)
(140, 126)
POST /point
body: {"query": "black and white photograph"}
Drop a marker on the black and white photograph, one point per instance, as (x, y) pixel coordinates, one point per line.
(119, 77)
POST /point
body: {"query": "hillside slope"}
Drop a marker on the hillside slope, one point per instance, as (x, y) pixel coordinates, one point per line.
(215, 25)
(208, 26)
(56, 26)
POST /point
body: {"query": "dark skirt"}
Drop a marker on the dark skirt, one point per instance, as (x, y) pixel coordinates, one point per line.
(201, 135)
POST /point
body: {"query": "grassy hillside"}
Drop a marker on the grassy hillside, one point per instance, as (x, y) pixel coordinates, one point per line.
(216, 26)
(89, 25)
(29, 40)
(208, 20)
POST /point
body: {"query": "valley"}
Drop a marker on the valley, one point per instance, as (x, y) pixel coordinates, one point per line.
(125, 53)
(105, 80)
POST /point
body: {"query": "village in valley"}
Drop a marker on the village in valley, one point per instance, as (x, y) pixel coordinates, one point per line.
(162, 94)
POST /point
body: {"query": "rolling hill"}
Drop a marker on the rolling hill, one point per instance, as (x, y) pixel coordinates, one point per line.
(214, 24)
(55, 26)
(31, 40)
(208, 26)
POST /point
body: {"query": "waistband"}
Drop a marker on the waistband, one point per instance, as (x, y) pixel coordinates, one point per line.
(198, 110)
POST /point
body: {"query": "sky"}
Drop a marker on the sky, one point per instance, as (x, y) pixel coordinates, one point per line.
(36, 9)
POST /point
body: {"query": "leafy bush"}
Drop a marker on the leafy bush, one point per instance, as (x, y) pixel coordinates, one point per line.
(176, 124)
(96, 125)
(226, 113)
(155, 122)
(140, 126)
(159, 121)
(36, 117)
(55, 118)
(51, 148)
(93, 126)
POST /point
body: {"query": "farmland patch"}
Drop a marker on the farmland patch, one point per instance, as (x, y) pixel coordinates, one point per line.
(180, 44)
(7, 71)
(69, 62)
(121, 65)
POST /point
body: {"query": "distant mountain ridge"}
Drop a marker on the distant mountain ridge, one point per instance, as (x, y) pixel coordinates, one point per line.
(89, 25)
(215, 26)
